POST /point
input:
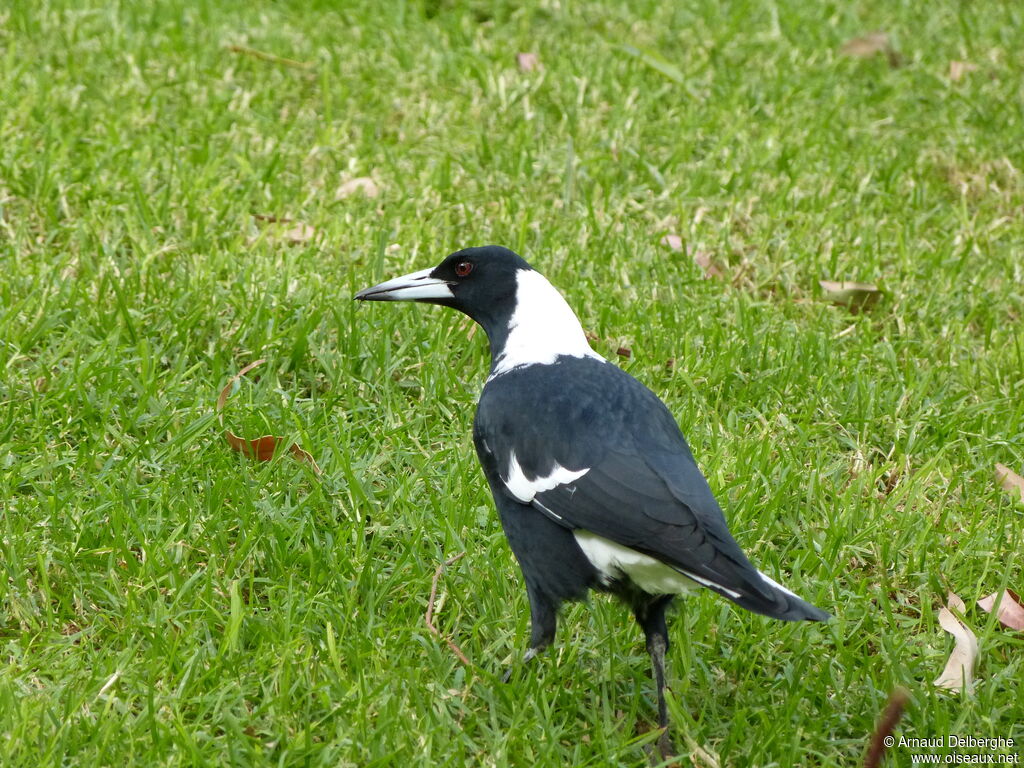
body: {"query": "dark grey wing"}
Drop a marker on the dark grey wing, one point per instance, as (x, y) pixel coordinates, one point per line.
(609, 458)
(635, 501)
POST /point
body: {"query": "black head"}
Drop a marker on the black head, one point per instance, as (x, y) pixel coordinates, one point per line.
(526, 319)
(480, 282)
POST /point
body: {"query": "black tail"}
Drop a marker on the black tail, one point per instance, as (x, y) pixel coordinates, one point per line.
(770, 598)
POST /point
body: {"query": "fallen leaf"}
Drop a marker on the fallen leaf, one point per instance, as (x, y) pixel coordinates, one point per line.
(1011, 611)
(1009, 481)
(867, 46)
(298, 234)
(528, 62)
(706, 262)
(703, 259)
(624, 352)
(959, 671)
(41, 384)
(295, 234)
(361, 184)
(260, 448)
(957, 70)
(856, 296)
(675, 242)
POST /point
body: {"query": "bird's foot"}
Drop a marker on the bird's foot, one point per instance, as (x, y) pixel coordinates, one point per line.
(662, 752)
(530, 653)
(665, 745)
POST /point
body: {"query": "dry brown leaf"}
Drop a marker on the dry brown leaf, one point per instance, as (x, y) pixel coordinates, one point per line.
(706, 262)
(298, 234)
(855, 296)
(359, 185)
(957, 70)
(959, 671)
(288, 230)
(260, 448)
(675, 242)
(1009, 481)
(866, 46)
(41, 384)
(624, 352)
(528, 62)
(1011, 611)
(703, 259)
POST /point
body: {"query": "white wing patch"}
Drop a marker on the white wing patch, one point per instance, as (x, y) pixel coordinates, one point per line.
(613, 561)
(542, 328)
(525, 489)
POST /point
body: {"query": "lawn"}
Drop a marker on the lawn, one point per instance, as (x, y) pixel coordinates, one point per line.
(166, 601)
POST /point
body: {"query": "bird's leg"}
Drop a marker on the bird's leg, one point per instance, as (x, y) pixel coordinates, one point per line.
(651, 616)
(543, 620)
(656, 646)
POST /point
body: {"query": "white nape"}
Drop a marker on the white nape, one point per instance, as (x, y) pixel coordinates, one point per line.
(542, 328)
(614, 561)
(524, 489)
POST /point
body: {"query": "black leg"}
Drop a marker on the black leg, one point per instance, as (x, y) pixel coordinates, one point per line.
(553, 565)
(543, 621)
(650, 613)
(656, 646)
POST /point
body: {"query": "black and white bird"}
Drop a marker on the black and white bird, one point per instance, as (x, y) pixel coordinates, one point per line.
(594, 483)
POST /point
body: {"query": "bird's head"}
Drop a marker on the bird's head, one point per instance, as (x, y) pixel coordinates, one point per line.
(526, 320)
(480, 282)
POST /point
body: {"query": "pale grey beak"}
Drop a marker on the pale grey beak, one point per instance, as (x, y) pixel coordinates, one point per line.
(417, 286)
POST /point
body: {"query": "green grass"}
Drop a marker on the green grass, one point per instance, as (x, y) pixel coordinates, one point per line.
(164, 601)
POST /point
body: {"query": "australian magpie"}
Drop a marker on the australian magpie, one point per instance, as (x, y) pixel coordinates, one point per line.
(594, 483)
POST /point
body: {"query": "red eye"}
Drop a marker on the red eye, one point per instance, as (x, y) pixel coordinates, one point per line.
(463, 268)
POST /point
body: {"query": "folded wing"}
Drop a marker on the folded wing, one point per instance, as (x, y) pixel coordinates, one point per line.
(628, 477)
